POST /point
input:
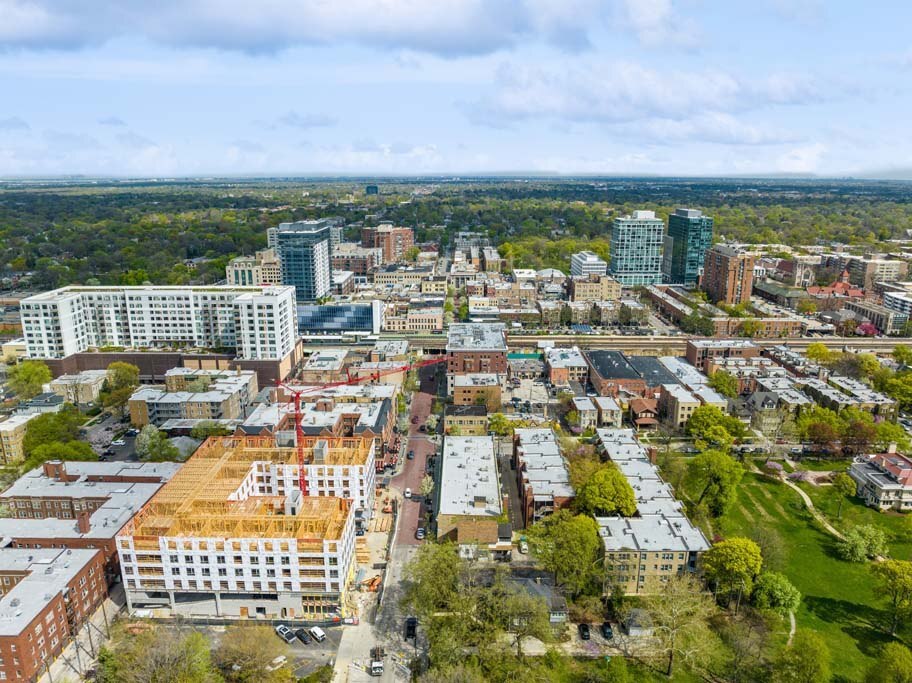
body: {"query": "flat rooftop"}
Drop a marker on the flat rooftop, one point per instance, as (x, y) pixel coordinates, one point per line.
(544, 468)
(652, 371)
(685, 373)
(565, 358)
(470, 485)
(722, 343)
(326, 360)
(476, 337)
(48, 570)
(611, 365)
(476, 379)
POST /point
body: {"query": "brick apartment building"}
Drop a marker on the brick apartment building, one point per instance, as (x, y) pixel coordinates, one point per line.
(46, 595)
(476, 347)
(700, 351)
(393, 241)
(728, 275)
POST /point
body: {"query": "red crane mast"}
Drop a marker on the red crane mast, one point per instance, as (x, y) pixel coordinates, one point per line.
(298, 391)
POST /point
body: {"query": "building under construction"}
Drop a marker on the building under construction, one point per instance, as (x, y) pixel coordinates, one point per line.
(232, 534)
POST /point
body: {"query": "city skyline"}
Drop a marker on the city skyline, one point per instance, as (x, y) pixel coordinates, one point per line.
(618, 88)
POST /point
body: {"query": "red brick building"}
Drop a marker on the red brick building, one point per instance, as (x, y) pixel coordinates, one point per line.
(728, 275)
(700, 351)
(394, 241)
(476, 348)
(47, 596)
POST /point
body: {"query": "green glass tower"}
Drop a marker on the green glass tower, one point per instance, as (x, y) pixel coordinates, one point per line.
(689, 236)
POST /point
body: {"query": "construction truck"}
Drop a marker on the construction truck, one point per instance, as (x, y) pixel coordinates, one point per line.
(376, 661)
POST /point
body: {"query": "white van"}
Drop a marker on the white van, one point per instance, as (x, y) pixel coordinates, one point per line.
(318, 634)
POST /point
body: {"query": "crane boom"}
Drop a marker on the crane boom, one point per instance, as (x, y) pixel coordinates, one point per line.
(298, 391)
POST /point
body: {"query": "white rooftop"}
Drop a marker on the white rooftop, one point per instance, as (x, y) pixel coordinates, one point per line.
(326, 360)
(469, 481)
(476, 379)
(476, 337)
(565, 358)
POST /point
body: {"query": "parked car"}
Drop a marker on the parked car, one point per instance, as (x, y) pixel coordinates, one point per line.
(415, 420)
(419, 533)
(408, 493)
(607, 633)
(411, 455)
(285, 633)
(132, 432)
(118, 442)
(303, 636)
(411, 627)
(523, 546)
(583, 631)
(318, 634)
(422, 428)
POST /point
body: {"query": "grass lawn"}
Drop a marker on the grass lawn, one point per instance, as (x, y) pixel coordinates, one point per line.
(837, 600)
(823, 465)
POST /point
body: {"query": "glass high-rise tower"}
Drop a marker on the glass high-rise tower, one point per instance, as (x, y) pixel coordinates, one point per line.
(636, 249)
(303, 249)
(689, 236)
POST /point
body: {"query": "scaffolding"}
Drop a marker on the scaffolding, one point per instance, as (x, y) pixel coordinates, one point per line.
(213, 495)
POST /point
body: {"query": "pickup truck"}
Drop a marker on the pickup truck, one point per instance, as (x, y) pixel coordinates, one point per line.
(376, 661)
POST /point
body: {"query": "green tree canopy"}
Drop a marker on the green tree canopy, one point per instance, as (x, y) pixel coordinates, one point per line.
(245, 653)
(60, 450)
(569, 546)
(806, 660)
(843, 486)
(725, 383)
(153, 445)
(773, 591)
(717, 475)
(62, 426)
(862, 542)
(893, 665)
(122, 375)
(606, 492)
(893, 582)
(734, 563)
(27, 379)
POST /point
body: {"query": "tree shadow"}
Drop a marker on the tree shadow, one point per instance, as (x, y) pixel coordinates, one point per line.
(867, 626)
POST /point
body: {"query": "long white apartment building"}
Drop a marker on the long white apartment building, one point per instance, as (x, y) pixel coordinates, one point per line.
(232, 535)
(259, 322)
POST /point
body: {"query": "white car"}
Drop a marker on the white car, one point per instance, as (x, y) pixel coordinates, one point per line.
(408, 493)
(118, 442)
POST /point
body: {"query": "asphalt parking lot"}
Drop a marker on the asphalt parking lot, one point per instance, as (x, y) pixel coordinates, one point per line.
(101, 434)
(533, 391)
(304, 659)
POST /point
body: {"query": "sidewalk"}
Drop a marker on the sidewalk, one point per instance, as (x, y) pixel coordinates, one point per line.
(80, 654)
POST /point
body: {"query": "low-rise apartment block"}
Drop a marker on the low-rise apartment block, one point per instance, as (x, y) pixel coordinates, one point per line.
(193, 394)
(593, 288)
(233, 534)
(476, 347)
(469, 495)
(565, 366)
(477, 388)
(465, 420)
(700, 351)
(12, 434)
(263, 268)
(47, 596)
(659, 542)
(541, 474)
(81, 389)
(79, 505)
(676, 405)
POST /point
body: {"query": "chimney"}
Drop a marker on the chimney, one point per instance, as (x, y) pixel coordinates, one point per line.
(55, 469)
(82, 522)
(652, 453)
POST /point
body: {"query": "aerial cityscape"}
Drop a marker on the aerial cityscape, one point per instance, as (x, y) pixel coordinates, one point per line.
(460, 343)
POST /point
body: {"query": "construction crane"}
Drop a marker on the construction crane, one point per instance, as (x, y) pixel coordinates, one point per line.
(297, 392)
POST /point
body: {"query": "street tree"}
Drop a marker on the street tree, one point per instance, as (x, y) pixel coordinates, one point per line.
(62, 426)
(893, 582)
(773, 591)
(707, 416)
(843, 486)
(717, 476)
(432, 579)
(806, 660)
(121, 375)
(569, 546)
(733, 564)
(680, 609)
(27, 379)
(60, 450)
(524, 616)
(606, 492)
(245, 653)
(500, 425)
(894, 665)
(427, 486)
(152, 445)
(159, 654)
(902, 354)
(725, 383)
(819, 353)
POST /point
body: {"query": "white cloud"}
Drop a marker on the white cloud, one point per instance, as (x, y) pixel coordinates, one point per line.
(655, 23)
(445, 27)
(804, 159)
(311, 120)
(13, 123)
(625, 91)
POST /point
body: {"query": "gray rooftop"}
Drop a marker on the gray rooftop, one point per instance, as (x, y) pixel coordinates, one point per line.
(469, 485)
(476, 337)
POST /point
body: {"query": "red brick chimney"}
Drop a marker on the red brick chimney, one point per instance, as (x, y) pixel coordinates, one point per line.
(55, 469)
(82, 522)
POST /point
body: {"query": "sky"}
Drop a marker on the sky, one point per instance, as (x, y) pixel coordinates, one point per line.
(622, 87)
